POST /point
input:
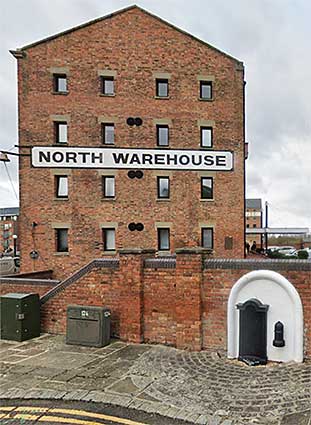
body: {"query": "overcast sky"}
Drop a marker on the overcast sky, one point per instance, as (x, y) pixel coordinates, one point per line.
(271, 37)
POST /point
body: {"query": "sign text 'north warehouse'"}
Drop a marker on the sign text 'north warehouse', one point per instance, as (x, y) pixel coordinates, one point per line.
(132, 158)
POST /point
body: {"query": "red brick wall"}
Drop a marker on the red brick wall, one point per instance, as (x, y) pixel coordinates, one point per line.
(26, 288)
(184, 305)
(135, 45)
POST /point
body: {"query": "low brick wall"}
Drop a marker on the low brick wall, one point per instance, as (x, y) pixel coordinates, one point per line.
(178, 301)
(26, 285)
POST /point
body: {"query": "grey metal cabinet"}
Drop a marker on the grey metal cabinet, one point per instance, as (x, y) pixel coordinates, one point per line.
(88, 325)
(19, 316)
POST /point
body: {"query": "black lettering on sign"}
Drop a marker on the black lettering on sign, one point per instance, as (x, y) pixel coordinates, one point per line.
(147, 158)
(44, 156)
(220, 160)
(135, 159)
(84, 156)
(58, 157)
(159, 159)
(71, 156)
(95, 157)
(120, 158)
(208, 160)
(184, 159)
(171, 158)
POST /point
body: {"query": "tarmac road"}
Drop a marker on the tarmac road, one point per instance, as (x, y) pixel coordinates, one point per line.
(29, 412)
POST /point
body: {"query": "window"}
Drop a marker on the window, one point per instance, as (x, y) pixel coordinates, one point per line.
(206, 90)
(107, 86)
(207, 188)
(161, 87)
(247, 225)
(108, 186)
(206, 137)
(62, 240)
(109, 239)
(163, 239)
(254, 225)
(163, 187)
(60, 83)
(108, 134)
(162, 135)
(207, 237)
(61, 132)
(61, 186)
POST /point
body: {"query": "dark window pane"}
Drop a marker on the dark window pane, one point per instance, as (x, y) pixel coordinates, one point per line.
(108, 132)
(162, 88)
(60, 83)
(109, 236)
(108, 85)
(162, 135)
(62, 240)
(207, 188)
(163, 239)
(163, 187)
(207, 238)
(205, 90)
(109, 187)
(61, 186)
(206, 137)
(61, 132)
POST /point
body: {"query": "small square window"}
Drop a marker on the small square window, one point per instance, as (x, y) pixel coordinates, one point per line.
(163, 187)
(206, 188)
(108, 186)
(60, 83)
(207, 237)
(62, 240)
(109, 239)
(108, 134)
(161, 88)
(61, 132)
(61, 186)
(206, 137)
(206, 90)
(107, 86)
(163, 239)
(162, 135)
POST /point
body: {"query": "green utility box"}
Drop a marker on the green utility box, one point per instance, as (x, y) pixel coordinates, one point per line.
(19, 316)
(88, 325)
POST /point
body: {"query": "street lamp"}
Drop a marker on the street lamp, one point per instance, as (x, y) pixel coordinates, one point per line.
(14, 244)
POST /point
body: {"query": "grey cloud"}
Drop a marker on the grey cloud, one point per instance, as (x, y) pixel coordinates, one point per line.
(272, 39)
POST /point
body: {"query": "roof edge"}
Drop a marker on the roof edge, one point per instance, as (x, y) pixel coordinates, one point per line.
(20, 53)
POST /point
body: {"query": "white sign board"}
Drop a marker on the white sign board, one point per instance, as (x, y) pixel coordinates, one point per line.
(196, 160)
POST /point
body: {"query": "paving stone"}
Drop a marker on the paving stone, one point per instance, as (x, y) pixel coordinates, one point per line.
(199, 387)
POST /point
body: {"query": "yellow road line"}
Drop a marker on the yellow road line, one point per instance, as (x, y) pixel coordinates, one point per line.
(74, 412)
(7, 408)
(4, 415)
(31, 409)
(25, 417)
(96, 416)
(62, 420)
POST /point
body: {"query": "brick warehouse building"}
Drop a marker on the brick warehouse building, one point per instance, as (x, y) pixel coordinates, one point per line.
(77, 89)
(136, 135)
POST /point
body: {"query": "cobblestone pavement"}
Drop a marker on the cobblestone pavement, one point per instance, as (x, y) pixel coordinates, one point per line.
(200, 388)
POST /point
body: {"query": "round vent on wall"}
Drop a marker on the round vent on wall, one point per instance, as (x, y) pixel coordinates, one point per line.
(132, 174)
(130, 121)
(132, 227)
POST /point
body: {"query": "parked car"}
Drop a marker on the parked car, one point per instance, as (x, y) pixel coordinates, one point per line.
(286, 250)
(9, 265)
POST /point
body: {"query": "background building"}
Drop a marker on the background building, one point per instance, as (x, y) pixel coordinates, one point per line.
(128, 80)
(254, 219)
(9, 218)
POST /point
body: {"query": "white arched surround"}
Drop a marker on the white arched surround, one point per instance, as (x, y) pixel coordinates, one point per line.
(284, 305)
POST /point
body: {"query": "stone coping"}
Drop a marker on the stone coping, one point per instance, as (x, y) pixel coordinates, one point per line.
(25, 281)
(246, 264)
(160, 263)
